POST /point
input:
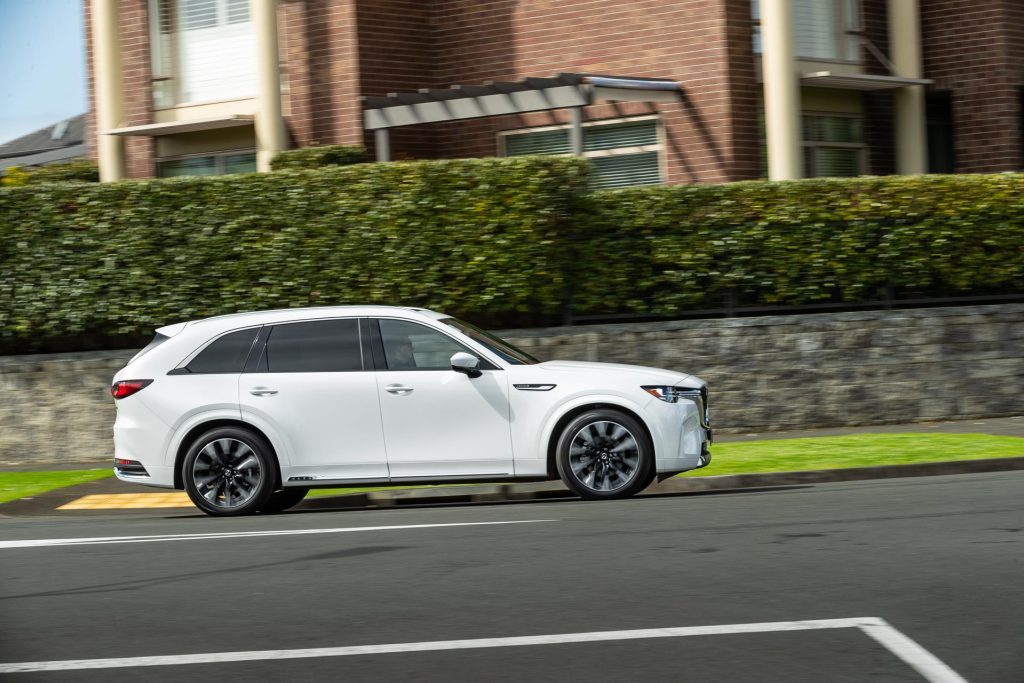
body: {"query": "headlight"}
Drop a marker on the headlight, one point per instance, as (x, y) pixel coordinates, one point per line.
(667, 394)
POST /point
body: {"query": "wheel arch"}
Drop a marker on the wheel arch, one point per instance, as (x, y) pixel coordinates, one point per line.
(194, 432)
(574, 412)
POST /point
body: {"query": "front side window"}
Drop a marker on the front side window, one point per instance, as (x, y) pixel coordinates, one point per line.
(623, 153)
(315, 346)
(411, 346)
(498, 346)
(226, 354)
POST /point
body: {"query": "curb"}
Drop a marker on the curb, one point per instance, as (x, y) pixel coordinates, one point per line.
(556, 489)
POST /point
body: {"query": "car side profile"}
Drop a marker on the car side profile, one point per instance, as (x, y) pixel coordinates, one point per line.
(247, 412)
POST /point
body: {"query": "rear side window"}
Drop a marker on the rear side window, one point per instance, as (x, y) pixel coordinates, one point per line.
(226, 354)
(315, 346)
(158, 339)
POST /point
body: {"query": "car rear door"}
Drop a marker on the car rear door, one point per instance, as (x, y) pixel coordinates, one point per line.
(314, 389)
(438, 423)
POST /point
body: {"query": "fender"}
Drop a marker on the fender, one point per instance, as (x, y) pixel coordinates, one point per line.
(193, 419)
(577, 400)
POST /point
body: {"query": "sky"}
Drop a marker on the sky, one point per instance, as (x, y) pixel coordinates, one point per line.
(42, 54)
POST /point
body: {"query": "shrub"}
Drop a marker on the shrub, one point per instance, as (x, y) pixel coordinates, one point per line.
(95, 265)
(661, 250)
(75, 170)
(319, 156)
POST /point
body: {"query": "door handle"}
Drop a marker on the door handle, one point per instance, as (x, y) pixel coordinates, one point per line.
(262, 391)
(398, 389)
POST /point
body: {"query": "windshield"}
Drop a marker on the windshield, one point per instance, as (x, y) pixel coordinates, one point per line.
(508, 353)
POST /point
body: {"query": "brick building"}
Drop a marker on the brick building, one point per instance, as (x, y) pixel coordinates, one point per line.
(779, 88)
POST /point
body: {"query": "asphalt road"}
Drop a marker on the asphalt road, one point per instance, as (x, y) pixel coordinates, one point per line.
(938, 558)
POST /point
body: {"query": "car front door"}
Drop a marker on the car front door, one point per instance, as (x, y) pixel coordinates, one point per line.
(311, 386)
(438, 423)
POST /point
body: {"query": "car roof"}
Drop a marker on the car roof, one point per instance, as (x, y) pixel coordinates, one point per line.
(244, 319)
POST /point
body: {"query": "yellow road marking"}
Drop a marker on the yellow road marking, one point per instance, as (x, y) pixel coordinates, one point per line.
(129, 501)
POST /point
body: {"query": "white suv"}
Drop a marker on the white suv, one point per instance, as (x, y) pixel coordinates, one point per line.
(247, 412)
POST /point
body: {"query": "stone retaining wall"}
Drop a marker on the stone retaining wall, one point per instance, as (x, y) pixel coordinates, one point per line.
(773, 372)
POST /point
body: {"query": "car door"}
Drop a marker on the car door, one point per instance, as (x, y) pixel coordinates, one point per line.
(438, 423)
(311, 386)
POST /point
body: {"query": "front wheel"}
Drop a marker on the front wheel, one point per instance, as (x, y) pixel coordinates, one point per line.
(605, 454)
(229, 471)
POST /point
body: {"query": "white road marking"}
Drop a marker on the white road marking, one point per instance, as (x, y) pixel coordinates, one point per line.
(102, 540)
(922, 661)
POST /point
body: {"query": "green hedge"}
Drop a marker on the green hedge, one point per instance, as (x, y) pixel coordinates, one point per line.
(659, 250)
(318, 157)
(87, 266)
(514, 241)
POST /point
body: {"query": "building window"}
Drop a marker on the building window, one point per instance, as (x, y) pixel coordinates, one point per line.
(202, 50)
(208, 164)
(623, 153)
(941, 148)
(824, 29)
(833, 145)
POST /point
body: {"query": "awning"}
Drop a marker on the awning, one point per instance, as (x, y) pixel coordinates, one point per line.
(432, 105)
(827, 79)
(190, 126)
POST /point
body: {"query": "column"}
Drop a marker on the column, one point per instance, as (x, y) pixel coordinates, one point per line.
(106, 41)
(270, 138)
(781, 91)
(905, 55)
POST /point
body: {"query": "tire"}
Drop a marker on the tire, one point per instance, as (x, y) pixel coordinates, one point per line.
(229, 471)
(284, 499)
(605, 454)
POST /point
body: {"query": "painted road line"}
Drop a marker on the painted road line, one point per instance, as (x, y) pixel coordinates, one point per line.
(922, 661)
(129, 501)
(104, 540)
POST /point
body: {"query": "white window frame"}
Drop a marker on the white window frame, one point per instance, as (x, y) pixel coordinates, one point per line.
(844, 34)
(861, 147)
(218, 156)
(166, 78)
(659, 148)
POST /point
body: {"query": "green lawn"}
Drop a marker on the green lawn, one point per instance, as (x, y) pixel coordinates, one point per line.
(781, 455)
(15, 485)
(856, 450)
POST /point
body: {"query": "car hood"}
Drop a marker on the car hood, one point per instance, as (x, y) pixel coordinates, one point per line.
(644, 374)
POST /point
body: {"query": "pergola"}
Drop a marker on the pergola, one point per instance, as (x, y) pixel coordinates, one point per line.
(570, 91)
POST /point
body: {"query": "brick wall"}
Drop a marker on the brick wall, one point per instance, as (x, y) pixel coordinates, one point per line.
(777, 372)
(320, 61)
(973, 48)
(688, 41)
(137, 86)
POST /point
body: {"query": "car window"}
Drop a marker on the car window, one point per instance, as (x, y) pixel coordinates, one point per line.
(225, 354)
(315, 346)
(411, 346)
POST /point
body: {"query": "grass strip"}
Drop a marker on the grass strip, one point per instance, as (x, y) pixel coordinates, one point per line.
(738, 457)
(14, 485)
(854, 450)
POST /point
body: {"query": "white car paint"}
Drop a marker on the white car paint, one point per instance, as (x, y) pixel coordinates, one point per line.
(350, 427)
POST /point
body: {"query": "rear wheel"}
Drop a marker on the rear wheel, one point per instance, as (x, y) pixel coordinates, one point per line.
(229, 471)
(605, 454)
(283, 500)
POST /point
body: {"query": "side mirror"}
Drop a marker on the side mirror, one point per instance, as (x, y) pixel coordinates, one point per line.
(466, 364)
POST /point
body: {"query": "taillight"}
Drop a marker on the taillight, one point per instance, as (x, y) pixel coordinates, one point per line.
(127, 387)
